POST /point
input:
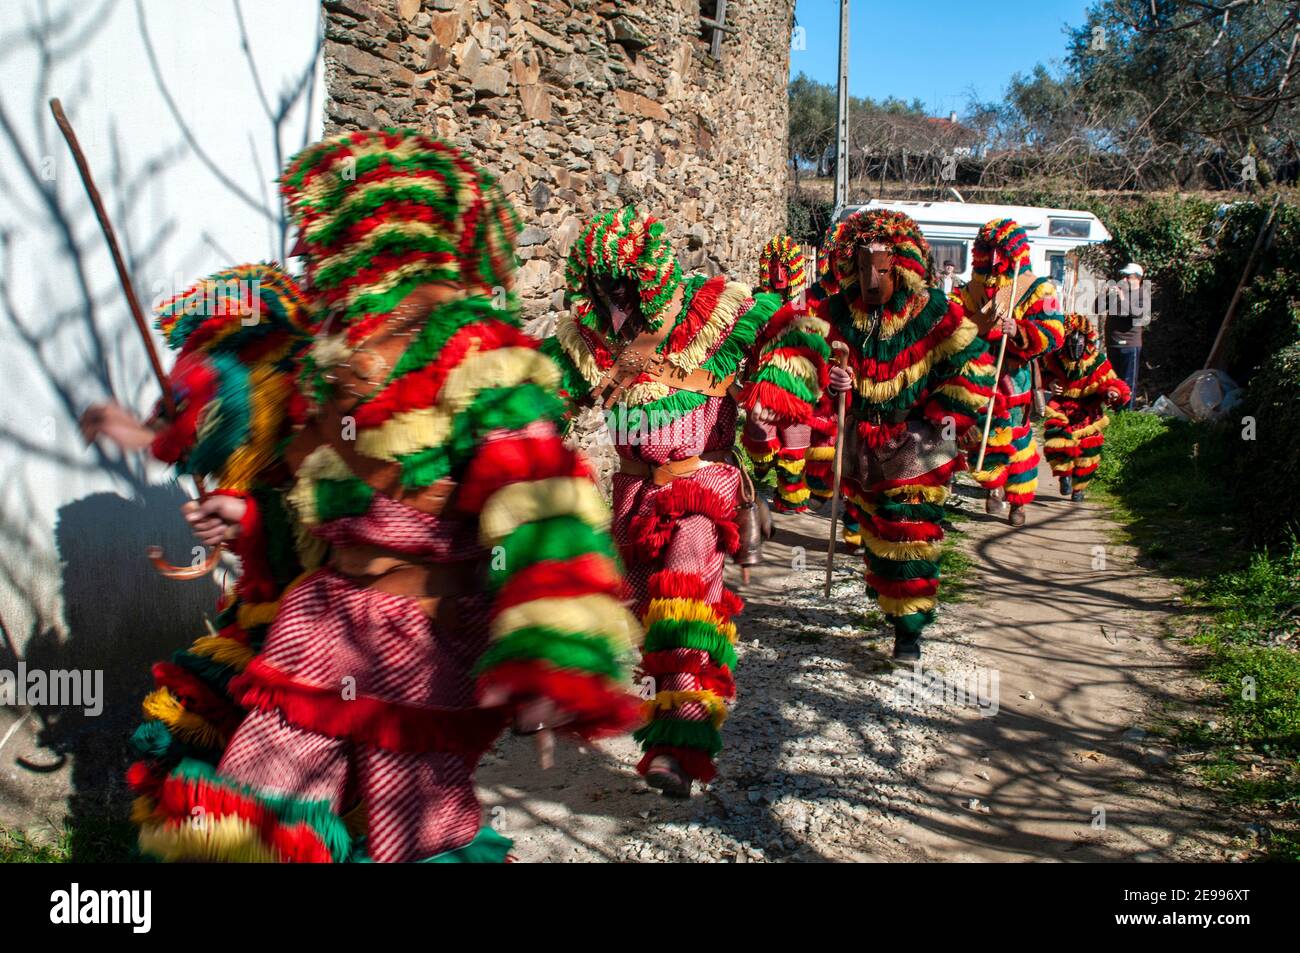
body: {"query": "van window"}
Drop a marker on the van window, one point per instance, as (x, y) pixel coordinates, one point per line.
(1056, 267)
(948, 252)
(1068, 227)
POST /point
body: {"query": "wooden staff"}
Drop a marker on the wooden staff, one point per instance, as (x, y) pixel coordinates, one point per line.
(997, 374)
(841, 352)
(133, 303)
(154, 553)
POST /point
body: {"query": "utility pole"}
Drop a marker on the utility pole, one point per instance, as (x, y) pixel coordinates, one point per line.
(842, 120)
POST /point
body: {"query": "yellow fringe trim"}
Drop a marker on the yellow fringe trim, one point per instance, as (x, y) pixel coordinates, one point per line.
(228, 838)
(811, 324)
(596, 614)
(668, 701)
(500, 367)
(405, 433)
(965, 397)
(796, 496)
(900, 551)
(519, 503)
(390, 280)
(820, 453)
(403, 228)
(1097, 426)
(1022, 455)
(916, 492)
(571, 342)
(264, 613)
(268, 401)
(720, 321)
(761, 458)
(905, 606)
(223, 651)
(792, 466)
(142, 810)
(323, 463)
(688, 610)
(1058, 444)
(852, 538)
(645, 393)
(163, 706)
(316, 191)
(797, 366)
(254, 614)
(881, 391)
(414, 430)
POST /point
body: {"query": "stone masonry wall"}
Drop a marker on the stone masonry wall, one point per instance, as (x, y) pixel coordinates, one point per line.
(581, 106)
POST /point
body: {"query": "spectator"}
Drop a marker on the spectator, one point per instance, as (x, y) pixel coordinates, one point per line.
(1124, 330)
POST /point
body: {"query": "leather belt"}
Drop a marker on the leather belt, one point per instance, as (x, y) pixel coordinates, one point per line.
(383, 570)
(667, 472)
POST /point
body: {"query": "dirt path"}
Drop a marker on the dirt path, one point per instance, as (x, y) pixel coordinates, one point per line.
(833, 754)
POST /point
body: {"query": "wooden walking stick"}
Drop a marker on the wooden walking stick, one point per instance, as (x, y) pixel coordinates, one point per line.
(154, 553)
(841, 352)
(997, 374)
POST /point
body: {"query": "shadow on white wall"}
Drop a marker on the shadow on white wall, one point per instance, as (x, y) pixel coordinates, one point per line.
(187, 110)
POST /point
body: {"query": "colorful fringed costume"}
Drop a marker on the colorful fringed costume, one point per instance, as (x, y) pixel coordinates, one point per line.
(239, 334)
(922, 374)
(1076, 416)
(676, 495)
(1001, 251)
(468, 555)
(802, 453)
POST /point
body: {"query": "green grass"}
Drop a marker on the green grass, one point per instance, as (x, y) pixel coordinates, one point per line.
(86, 841)
(1171, 484)
(1169, 480)
(955, 566)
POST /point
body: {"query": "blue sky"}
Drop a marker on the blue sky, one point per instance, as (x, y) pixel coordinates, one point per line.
(938, 51)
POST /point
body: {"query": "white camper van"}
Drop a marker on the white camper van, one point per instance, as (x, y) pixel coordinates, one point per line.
(950, 228)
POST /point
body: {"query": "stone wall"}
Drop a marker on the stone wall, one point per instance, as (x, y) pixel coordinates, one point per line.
(580, 106)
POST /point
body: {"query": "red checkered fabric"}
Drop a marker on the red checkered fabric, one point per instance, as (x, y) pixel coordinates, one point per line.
(353, 642)
(711, 426)
(398, 527)
(334, 634)
(417, 805)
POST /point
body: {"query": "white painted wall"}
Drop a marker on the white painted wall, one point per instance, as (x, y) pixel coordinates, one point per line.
(179, 130)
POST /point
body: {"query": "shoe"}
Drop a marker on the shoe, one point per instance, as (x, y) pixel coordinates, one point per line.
(996, 504)
(1077, 496)
(1067, 484)
(1017, 515)
(907, 646)
(667, 775)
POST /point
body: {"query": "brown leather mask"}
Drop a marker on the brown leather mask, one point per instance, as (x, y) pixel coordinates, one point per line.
(875, 275)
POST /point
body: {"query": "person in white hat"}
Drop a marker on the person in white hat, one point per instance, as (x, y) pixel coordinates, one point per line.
(1124, 330)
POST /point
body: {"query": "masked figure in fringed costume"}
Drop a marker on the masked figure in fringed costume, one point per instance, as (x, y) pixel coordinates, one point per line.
(919, 374)
(239, 334)
(1082, 383)
(1035, 328)
(803, 452)
(470, 581)
(658, 353)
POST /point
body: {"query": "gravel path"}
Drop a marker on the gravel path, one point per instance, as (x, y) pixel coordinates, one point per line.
(833, 754)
